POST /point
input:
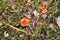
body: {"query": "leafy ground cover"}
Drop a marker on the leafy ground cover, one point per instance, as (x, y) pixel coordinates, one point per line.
(29, 19)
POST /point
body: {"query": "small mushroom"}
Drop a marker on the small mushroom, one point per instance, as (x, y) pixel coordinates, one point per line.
(44, 16)
(36, 13)
(6, 34)
(58, 21)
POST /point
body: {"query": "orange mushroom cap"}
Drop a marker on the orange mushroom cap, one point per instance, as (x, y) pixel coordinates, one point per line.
(24, 21)
(43, 9)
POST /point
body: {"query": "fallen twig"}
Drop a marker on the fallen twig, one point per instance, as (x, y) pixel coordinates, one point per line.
(17, 28)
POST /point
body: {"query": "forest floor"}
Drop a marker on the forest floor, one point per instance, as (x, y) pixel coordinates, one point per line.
(29, 19)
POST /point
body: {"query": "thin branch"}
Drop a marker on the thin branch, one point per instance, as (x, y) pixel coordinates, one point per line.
(21, 30)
